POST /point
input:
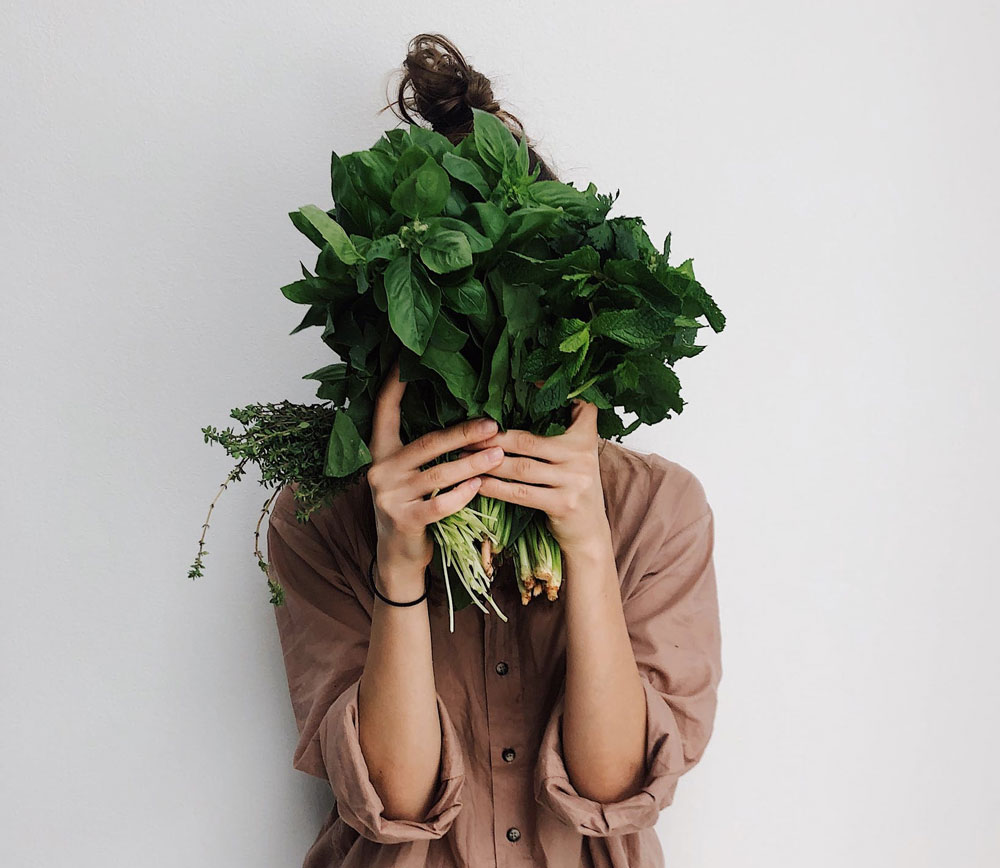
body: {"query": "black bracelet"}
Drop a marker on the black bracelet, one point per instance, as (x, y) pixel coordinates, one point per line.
(381, 596)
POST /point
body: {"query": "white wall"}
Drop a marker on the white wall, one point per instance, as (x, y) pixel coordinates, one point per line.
(831, 167)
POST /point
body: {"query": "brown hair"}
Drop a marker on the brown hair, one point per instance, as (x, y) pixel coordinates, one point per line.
(445, 88)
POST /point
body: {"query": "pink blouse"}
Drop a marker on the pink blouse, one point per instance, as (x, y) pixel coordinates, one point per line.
(504, 797)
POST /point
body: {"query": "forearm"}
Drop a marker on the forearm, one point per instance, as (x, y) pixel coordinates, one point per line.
(604, 721)
(400, 731)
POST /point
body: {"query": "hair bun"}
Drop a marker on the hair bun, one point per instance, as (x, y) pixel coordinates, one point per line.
(444, 89)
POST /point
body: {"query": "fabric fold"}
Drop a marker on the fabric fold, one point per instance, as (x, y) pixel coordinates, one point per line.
(359, 803)
(664, 754)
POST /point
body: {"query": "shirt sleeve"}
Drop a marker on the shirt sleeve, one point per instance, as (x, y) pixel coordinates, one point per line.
(324, 630)
(671, 610)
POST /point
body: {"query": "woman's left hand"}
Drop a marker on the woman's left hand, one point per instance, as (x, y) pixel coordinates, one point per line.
(559, 475)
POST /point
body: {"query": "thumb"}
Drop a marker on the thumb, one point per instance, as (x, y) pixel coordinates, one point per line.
(584, 414)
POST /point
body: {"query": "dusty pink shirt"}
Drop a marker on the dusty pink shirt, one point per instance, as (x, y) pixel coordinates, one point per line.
(504, 797)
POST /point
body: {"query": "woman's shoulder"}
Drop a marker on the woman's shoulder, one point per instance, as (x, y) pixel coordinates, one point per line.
(344, 522)
(654, 492)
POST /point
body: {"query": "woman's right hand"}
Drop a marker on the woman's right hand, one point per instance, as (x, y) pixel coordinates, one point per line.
(398, 485)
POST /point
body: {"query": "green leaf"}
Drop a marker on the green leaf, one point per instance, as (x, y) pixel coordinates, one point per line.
(306, 228)
(716, 318)
(315, 290)
(626, 376)
(631, 239)
(596, 397)
(411, 158)
(466, 297)
(520, 302)
(333, 382)
(433, 142)
(492, 218)
(357, 213)
(333, 234)
(456, 371)
(413, 304)
(386, 247)
(660, 390)
(374, 173)
(528, 221)
(424, 192)
(328, 373)
(494, 139)
(446, 335)
(576, 340)
(499, 365)
(467, 172)
(445, 250)
(315, 316)
(538, 364)
(633, 327)
(553, 393)
(478, 243)
(345, 451)
(582, 204)
(519, 166)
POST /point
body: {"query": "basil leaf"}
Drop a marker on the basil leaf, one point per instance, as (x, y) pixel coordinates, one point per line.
(413, 303)
(494, 139)
(345, 451)
(466, 297)
(456, 371)
(466, 171)
(333, 234)
(445, 250)
(424, 192)
(499, 377)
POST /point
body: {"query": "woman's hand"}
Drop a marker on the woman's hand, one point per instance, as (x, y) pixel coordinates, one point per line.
(398, 485)
(559, 475)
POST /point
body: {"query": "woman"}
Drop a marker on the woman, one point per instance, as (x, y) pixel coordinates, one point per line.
(554, 739)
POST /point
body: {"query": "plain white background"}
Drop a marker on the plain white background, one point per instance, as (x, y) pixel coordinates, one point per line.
(831, 168)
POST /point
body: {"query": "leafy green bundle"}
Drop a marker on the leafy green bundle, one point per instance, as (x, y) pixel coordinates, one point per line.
(484, 282)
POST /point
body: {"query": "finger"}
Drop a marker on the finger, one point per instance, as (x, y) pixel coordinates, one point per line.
(428, 447)
(535, 496)
(447, 502)
(473, 449)
(520, 442)
(385, 420)
(521, 468)
(480, 444)
(448, 473)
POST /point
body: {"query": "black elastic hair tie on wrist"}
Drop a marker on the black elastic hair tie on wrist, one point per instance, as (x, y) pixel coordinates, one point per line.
(385, 599)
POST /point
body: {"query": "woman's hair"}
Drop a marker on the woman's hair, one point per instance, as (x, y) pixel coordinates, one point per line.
(444, 90)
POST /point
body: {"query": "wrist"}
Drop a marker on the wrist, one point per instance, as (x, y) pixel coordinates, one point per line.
(592, 546)
(398, 578)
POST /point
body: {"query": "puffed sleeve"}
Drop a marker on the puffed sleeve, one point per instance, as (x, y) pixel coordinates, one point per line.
(324, 630)
(671, 608)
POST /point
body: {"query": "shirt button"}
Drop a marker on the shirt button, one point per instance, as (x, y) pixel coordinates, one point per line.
(513, 833)
(502, 668)
(508, 754)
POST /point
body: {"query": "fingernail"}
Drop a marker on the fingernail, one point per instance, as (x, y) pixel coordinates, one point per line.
(486, 426)
(494, 453)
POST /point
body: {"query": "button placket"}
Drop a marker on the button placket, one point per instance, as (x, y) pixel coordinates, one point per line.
(505, 720)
